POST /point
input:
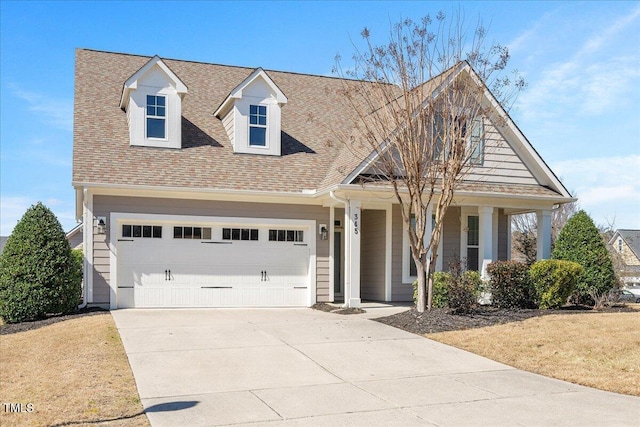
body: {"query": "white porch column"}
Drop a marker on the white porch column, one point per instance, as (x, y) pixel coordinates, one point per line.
(485, 252)
(388, 295)
(544, 234)
(353, 219)
(332, 257)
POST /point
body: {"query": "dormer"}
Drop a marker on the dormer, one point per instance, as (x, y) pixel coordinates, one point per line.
(152, 99)
(251, 115)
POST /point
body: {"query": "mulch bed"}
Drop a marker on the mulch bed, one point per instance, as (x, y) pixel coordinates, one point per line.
(50, 320)
(322, 306)
(441, 320)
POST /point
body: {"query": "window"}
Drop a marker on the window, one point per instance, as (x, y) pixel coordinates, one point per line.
(240, 234)
(476, 142)
(286, 236)
(473, 242)
(258, 125)
(144, 231)
(619, 245)
(156, 116)
(197, 233)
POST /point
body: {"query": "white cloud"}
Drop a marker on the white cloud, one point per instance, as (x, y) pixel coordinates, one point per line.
(607, 187)
(56, 112)
(588, 82)
(11, 210)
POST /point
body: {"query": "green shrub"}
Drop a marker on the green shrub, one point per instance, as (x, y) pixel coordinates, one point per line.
(510, 285)
(554, 281)
(37, 273)
(458, 292)
(78, 261)
(580, 241)
(440, 280)
(463, 291)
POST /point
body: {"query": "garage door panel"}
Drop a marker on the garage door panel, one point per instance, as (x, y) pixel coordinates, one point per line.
(205, 274)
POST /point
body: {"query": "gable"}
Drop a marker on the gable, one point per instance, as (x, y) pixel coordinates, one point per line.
(508, 158)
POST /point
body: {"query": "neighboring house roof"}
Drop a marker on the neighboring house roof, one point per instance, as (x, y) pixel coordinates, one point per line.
(314, 124)
(631, 238)
(3, 241)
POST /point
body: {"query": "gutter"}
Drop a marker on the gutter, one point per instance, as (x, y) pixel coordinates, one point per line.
(347, 252)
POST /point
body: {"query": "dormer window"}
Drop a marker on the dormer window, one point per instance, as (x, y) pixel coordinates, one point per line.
(156, 116)
(257, 125)
(251, 115)
(152, 99)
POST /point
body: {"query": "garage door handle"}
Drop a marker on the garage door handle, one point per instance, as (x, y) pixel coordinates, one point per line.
(167, 275)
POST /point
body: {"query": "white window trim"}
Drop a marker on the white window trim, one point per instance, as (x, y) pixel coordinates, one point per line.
(265, 127)
(406, 255)
(478, 161)
(165, 118)
(466, 212)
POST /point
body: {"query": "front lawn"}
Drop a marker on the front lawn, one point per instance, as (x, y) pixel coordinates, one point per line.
(67, 373)
(596, 349)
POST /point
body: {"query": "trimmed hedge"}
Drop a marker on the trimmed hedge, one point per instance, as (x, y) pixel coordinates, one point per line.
(37, 270)
(510, 285)
(580, 241)
(554, 281)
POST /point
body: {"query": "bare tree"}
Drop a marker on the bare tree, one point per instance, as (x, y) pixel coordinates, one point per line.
(420, 103)
(525, 230)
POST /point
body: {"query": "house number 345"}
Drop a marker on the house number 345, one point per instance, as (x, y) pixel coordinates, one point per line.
(355, 223)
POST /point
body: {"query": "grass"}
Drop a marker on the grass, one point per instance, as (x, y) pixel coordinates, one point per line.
(600, 350)
(72, 372)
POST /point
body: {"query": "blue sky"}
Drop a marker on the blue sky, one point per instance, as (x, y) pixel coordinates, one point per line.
(581, 110)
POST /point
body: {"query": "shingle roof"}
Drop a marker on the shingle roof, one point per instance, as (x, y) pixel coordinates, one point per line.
(315, 123)
(102, 154)
(632, 238)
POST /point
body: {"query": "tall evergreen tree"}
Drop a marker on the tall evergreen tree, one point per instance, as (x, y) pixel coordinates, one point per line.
(37, 270)
(581, 242)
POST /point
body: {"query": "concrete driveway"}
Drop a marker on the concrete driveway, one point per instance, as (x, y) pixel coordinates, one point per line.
(300, 367)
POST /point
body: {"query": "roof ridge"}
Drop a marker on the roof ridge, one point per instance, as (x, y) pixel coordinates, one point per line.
(222, 65)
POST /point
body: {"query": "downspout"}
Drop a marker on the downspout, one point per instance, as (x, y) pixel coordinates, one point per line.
(85, 300)
(347, 255)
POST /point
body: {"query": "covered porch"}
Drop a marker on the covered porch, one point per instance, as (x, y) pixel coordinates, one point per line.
(369, 251)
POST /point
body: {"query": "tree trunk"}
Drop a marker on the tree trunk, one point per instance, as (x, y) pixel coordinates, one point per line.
(421, 302)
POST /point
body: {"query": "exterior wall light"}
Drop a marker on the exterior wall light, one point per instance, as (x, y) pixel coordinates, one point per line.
(324, 233)
(101, 223)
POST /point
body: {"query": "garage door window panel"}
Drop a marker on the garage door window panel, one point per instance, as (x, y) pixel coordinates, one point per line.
(247, 234)
(195, 233)
(286, 236)
(142, 231)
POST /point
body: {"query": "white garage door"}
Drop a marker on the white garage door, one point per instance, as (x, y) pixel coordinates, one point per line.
(211, 265)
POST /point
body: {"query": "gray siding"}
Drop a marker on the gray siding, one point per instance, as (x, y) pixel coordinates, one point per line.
(501, 164)
(372, 255)
(104, 205)
(450, 237)
(503, 236)
(399, 291)
(75, 241)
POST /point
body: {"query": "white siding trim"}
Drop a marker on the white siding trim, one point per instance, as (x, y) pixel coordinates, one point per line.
(388, 281)
(87, 244)
(332, 267)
